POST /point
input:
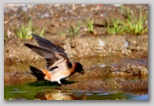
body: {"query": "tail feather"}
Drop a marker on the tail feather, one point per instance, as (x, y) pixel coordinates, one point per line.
(37, 73)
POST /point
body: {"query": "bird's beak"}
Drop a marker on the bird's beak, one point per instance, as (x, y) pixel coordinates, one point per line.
(82, 72)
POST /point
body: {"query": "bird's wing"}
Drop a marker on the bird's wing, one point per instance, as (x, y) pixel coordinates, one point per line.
(50, 56)
(48, 45)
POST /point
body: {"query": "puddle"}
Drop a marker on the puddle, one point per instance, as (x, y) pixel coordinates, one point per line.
(96, 84)
(27, 92)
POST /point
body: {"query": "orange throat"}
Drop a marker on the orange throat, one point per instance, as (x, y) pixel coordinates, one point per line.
(73, 68)
(47, 74)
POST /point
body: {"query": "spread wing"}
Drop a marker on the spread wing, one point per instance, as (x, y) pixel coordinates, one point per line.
(51, 57)
(48, 45)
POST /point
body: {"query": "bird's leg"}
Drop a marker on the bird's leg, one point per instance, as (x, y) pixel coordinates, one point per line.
(59, 82)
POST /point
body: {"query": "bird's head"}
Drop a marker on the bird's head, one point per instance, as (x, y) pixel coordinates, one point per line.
(79, 68)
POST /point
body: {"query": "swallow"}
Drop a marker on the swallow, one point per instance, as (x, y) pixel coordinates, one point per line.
(58, 63)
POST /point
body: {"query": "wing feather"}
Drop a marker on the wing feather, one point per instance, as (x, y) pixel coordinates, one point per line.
(50, 56)
(48, 45)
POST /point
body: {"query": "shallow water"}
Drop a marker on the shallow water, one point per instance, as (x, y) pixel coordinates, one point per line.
(30, 90)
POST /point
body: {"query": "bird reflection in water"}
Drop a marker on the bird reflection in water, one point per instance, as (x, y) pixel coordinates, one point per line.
(59, 95)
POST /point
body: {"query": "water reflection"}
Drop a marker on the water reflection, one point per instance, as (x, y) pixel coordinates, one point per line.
(64, 95)
(59, 95)
(28, 92)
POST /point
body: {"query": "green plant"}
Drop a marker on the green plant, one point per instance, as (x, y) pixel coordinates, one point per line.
(116, 28)
(41, 33)
(74, 30)
(131, 25)
(135, 25)
(90, 25)
(25, 32)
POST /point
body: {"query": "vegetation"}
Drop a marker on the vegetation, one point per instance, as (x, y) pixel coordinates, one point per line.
(74, 30)
(135, 25)
(132, 24)
(90, 26)
(25, 32)
(116, 28)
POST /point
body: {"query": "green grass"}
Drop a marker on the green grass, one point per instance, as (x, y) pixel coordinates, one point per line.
(90, 26)
(25, 31)
(132, 24)
(135, 25)
(73, 31)
(116, 28)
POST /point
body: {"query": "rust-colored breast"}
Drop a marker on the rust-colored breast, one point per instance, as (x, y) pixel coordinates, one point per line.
(46, 72)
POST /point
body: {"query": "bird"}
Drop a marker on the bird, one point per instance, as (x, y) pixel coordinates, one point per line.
(58, 64)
